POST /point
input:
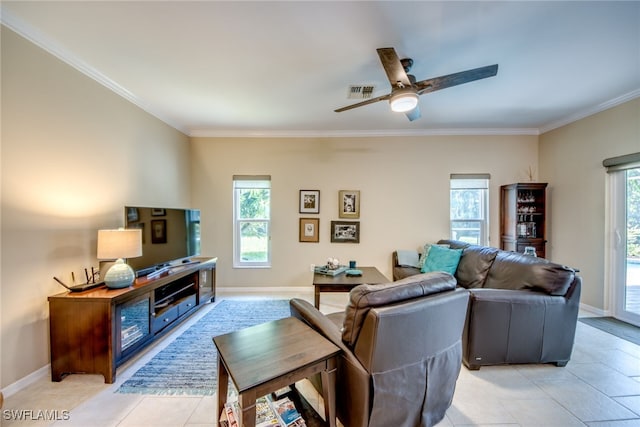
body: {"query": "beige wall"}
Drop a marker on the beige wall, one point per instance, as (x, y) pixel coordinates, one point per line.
(571, 161)
(73, 154)
(404, 185)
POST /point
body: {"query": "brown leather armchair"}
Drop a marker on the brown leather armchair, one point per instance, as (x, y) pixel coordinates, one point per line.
(401, 350)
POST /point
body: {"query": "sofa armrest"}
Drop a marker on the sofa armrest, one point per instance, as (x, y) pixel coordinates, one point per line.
(306, 312)
(519, 326)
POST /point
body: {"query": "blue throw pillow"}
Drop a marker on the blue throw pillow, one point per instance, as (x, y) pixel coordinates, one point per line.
(425, 252)
(442, 259)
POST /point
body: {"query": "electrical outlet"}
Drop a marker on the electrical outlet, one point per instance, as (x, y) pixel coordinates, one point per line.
(312, 267)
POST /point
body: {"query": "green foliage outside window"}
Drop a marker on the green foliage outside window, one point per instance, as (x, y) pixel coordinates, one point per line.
(253, 215)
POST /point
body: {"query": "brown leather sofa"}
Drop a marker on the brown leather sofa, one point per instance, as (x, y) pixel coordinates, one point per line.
(401, 350)
(522, 309)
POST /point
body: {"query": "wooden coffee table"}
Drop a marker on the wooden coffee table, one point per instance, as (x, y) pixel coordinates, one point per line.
(343, 283)
(263, 358)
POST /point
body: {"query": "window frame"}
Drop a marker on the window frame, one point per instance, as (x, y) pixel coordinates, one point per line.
(473, 182)
(248, 182)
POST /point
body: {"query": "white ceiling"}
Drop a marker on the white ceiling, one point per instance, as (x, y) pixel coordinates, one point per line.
(281, 68)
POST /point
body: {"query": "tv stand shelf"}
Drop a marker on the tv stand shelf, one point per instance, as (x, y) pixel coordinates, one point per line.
(95, 331)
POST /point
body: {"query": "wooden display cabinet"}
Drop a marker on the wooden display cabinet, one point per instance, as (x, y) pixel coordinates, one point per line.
(523, 217)
(97, 330)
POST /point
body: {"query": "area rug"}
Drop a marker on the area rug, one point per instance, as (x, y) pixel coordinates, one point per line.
(188, 366)
(615, 327)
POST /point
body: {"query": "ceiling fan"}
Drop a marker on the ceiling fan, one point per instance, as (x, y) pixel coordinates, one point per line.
(405, 90)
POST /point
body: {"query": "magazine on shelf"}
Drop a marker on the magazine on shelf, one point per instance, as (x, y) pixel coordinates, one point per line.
(223, 419)
(231, 410)
(269, 413)
(287, 413)
(265, 416)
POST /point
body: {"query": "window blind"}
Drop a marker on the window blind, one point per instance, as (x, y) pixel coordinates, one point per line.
(628, 161)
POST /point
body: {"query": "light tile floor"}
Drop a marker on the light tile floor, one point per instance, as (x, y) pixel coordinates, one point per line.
(599, 387)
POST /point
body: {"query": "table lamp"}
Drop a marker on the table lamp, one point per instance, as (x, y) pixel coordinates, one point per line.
(118, 245)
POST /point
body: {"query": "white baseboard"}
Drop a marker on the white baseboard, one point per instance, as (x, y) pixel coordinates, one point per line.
(23, 382)
(594, 311)
(262, 291)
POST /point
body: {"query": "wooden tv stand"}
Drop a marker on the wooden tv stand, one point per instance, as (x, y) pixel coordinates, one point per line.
(97, 330)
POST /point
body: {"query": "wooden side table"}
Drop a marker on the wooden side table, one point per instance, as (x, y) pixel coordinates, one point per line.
(343, 283)
(263, 358)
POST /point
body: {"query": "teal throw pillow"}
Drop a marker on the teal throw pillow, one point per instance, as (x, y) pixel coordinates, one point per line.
(425, 253)
(442, 259)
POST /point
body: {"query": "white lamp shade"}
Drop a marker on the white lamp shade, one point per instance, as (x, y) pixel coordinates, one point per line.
(403, 100)
(114, 244)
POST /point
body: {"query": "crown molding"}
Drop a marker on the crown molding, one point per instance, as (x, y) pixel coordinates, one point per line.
(212, 133)
(591, 111)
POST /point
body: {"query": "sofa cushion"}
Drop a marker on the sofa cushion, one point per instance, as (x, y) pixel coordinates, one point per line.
(364, 297)
(442, 259)
(512, 270)
(474, 265)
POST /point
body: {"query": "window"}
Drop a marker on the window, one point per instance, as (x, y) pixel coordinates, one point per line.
(251, 221)
(469, 208)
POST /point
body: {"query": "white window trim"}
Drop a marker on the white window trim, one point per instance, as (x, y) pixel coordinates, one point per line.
(483, 181)
(245, 182)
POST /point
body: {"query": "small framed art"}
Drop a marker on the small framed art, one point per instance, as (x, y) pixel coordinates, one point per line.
(309, 230)
(345, 231)
(159, 231)
(310, 201)
(349, 204)
(158, 212)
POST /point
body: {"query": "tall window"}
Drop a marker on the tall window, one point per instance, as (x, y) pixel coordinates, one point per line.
(251, 221)
(469, 208)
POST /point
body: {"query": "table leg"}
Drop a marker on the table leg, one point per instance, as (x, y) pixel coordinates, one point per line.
(223, 385)
(316, 297)
(247, 402)
(329, 391)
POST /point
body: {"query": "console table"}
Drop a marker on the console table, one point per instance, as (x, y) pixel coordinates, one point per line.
(97, 330)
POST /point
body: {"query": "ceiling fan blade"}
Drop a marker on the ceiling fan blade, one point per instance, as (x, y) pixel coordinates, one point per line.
(414, 114)
(367, 102)
(443, 82)
(393, 67)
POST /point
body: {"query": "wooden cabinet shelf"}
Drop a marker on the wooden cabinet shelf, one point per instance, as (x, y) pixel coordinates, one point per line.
(97, 330)
(523, 217)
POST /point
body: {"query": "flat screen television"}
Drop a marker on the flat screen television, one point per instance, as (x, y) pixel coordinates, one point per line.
(169, 236)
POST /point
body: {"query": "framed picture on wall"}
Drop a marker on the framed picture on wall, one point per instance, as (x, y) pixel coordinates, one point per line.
(132, 214)
(349, 204)
(310, 201)
(158, 212)
(309, 230)
(159, 231)
(345, 231)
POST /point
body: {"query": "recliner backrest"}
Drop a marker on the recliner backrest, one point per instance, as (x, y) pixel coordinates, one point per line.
(363, 297)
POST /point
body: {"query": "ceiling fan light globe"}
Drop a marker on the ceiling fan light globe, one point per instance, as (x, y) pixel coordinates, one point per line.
(402, 102)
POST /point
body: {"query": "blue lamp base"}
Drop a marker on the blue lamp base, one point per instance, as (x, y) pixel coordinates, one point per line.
(120, 275)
